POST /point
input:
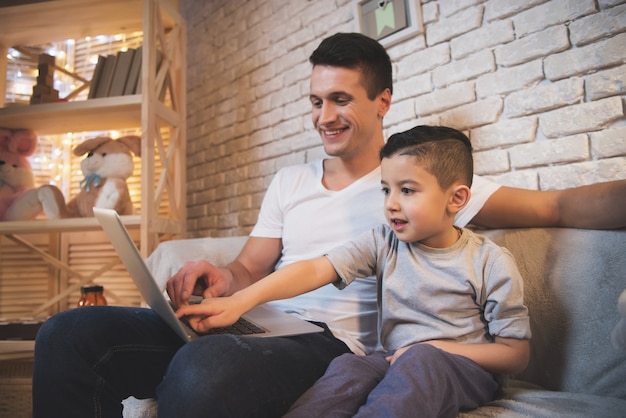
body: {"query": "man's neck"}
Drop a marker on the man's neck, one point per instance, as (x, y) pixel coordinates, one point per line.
(340, 173)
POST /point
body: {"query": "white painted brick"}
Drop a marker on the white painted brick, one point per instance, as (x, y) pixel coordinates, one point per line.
(523, 179)
(338, 20)
(299, 74)
(400, 111)
(581, 174)
(474, 114)
(606, 83)
(393, 128)
(507, 80)
(450, 7)
(448, 28)
(604, 4)
(298, 108)
(534, 46)
(413, 86)
(499, 9)
(491, 162)
(288, 127)
(316, 153)
(430, 12)
(608, 143)
(505, 132)
(586, 59)
(544, 97)
(397, 52)
(581, 118)
(424, 61)
(485, 37)
(464, 69)
(562, 150)
(284, 96)
(551, 13)
(442, 99)
(302, 141)
(597, 26)
(432, 120)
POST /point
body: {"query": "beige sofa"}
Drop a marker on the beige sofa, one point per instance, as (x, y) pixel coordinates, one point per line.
(573, 279)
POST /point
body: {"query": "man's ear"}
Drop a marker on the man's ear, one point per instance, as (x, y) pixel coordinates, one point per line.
(459, 197)
(384, 103)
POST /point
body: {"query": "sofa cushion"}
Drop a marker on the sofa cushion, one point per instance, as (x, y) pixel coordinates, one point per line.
(572, 281)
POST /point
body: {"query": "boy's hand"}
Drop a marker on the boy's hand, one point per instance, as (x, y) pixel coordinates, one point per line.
(392, 358)
(212, 313)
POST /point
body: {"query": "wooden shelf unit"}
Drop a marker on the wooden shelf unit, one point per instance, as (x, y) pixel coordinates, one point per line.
(159, 108)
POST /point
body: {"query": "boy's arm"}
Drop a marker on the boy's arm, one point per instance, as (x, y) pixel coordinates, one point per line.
(292, 280)
(505, 355)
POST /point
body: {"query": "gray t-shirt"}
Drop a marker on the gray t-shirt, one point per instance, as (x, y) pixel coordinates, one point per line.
(468, 293)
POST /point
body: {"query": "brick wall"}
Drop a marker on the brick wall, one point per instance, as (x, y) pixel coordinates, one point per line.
(538, 86)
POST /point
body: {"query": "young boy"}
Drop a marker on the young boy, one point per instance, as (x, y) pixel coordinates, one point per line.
(451, 312)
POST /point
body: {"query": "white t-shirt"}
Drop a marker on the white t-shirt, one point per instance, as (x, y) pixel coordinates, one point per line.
(311, 220)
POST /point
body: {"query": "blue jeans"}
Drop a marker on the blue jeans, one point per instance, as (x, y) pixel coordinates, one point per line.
(423, 382)
(88, 360)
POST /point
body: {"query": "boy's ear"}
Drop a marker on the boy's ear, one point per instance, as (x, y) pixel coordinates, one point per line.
(460, 195)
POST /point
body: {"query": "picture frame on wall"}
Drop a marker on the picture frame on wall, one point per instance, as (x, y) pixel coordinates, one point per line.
(389, 21)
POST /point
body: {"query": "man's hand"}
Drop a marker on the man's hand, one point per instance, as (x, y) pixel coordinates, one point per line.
(198, 278)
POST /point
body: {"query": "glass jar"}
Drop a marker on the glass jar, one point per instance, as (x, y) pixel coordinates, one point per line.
(91, 296)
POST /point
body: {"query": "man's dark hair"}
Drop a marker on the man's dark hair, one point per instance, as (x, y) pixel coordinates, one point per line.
(445, 152)
(357, 52)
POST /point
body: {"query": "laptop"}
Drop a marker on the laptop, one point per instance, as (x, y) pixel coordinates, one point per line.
(269, 321)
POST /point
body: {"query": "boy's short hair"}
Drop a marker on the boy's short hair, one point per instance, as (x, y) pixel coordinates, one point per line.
(357, 51)
(445, 152)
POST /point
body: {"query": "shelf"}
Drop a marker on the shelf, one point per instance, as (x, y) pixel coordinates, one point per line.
(58, 256)
(61, 225)
(122, 112)
(49, 21)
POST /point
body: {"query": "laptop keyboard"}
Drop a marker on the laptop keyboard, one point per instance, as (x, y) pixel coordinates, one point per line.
(241, 327)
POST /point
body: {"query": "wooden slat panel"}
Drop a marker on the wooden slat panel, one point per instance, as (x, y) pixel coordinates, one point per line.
(25, 277)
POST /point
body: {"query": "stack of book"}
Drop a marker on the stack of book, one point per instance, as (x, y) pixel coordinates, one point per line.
(117, 75)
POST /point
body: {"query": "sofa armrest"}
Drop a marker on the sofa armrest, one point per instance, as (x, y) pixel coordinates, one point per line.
(169, 256)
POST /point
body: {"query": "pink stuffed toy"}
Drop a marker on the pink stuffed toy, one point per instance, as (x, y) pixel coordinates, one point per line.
(18, 197)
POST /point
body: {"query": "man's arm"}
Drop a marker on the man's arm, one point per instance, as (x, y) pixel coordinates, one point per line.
(596, 206)
(257, 259)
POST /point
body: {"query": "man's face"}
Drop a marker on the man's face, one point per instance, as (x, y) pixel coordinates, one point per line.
(347, 121)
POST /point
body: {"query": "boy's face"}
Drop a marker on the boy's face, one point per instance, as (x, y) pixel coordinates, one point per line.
(415, 206)
(347, 121)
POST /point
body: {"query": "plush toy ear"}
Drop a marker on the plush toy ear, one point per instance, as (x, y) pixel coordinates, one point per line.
(133, 142)
(23, 142)
(5, 138)
(90, 145)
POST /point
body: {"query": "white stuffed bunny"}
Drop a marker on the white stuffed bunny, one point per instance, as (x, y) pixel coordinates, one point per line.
(106, 167)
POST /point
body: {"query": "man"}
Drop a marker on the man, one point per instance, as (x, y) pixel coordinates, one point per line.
(105, 354)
